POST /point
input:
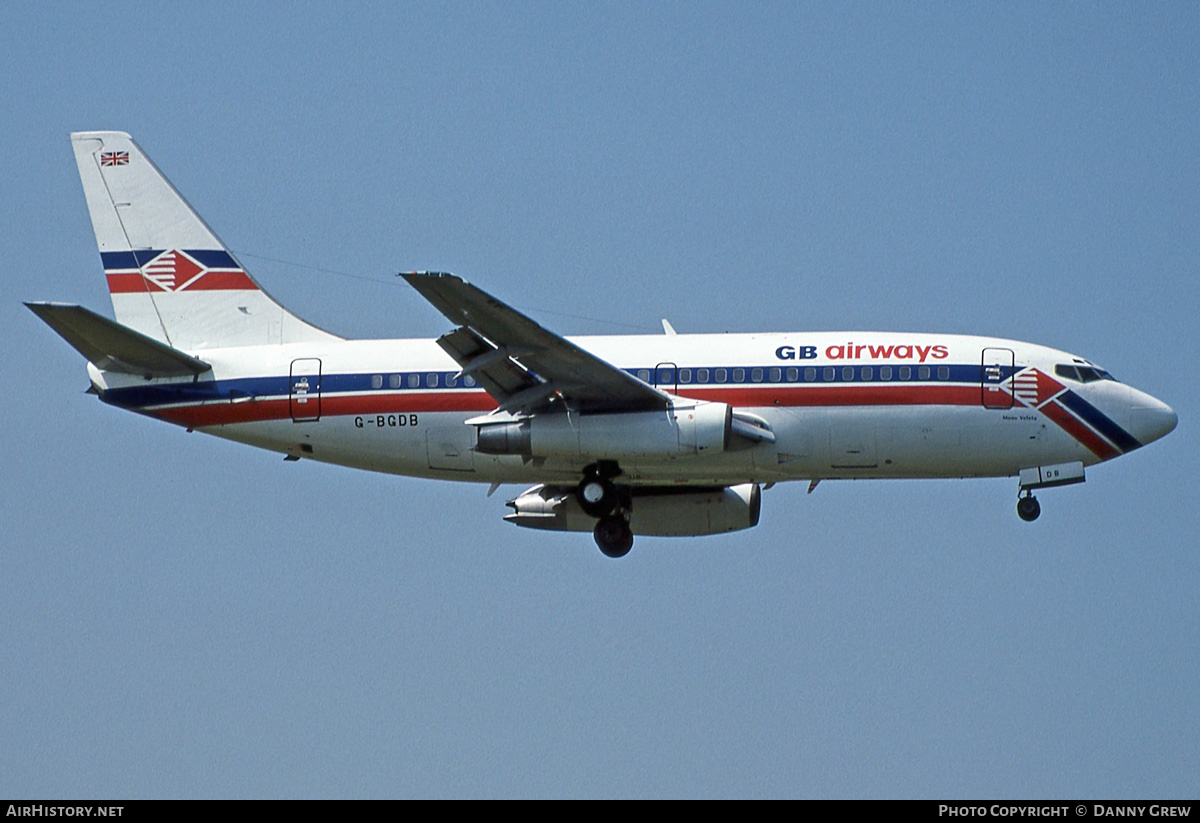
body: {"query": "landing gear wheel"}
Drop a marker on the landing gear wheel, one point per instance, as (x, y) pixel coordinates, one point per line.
(596, 496)
(1028, 508)
(613, 536)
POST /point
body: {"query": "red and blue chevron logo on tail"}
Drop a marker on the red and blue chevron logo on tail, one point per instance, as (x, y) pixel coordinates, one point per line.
(174, 270)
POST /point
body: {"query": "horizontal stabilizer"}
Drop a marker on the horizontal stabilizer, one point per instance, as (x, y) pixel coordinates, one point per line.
(114, 347)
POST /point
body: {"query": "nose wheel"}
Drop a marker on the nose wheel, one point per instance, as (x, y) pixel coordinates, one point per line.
(1028, 508)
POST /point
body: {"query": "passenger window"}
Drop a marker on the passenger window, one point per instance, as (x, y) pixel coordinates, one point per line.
(885, 372)
(468, 381)
(905, 372)
(451, 381)
(393, 381)
(701, 375)
(719, 376)
(868, 372)
(943, 372)
(847, 373)
(756, 375)
(377, 381)
(685, 375)
(644, 375)
(793, 374)
(739, 375)
(433, 381)
(414, 380)
(829, 374)
(810, 374)
(923, 373)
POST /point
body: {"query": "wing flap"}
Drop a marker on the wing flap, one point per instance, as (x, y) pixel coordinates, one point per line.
(114, 347)
(526, 364)
(490, 365)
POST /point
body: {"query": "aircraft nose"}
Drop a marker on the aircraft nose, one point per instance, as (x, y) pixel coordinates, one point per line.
(1151, 418)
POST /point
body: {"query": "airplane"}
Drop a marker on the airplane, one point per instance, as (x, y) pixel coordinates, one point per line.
(667, 435)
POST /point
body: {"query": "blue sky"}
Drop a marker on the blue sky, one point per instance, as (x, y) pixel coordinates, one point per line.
(182, 616)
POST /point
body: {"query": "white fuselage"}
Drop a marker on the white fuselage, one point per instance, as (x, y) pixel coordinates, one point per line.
(840, 405)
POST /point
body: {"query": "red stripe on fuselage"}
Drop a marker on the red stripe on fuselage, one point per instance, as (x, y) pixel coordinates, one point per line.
(840, 395)
(1074, 427)
(249, 411)
(253, 411)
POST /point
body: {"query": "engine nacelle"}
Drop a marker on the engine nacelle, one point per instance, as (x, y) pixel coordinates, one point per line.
(658, 512)
(682, 430)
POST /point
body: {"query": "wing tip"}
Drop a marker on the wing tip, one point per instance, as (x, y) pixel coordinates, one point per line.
(417, 276)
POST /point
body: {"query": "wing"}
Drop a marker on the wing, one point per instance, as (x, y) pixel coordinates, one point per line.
(522, 365)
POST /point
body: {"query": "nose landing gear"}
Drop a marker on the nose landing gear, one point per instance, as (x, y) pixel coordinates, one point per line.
(1044, 477)
(1028, 507)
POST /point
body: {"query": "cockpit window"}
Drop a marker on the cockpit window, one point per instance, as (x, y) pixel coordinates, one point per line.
(1082, 374)
(1068, 372)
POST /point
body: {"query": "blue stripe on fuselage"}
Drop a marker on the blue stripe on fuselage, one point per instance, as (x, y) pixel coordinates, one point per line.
(1099, 421)
(165, 394)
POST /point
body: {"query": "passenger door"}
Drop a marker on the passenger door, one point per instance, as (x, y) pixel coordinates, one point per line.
(996, 378)
(305, 395)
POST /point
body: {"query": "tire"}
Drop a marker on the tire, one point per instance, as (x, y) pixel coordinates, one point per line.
(1028, 508)
(597, 497)
(613, 536)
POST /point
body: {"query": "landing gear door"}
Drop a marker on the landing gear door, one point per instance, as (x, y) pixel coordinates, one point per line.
(305, 399)
(996, 378)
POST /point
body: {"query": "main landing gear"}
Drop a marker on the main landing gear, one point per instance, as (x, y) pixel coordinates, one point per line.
(1028, 508)
(600, 498)
(613, 535)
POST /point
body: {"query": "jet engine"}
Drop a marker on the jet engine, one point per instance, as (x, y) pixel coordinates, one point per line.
(659, 512)
(681, 430)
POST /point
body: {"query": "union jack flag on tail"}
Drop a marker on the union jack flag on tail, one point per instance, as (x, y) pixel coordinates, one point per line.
(114, 158)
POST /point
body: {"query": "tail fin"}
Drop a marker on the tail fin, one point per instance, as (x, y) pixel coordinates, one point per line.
(169, 275)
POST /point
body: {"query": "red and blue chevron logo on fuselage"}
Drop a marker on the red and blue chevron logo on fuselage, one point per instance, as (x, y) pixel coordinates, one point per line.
(1077, 417)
